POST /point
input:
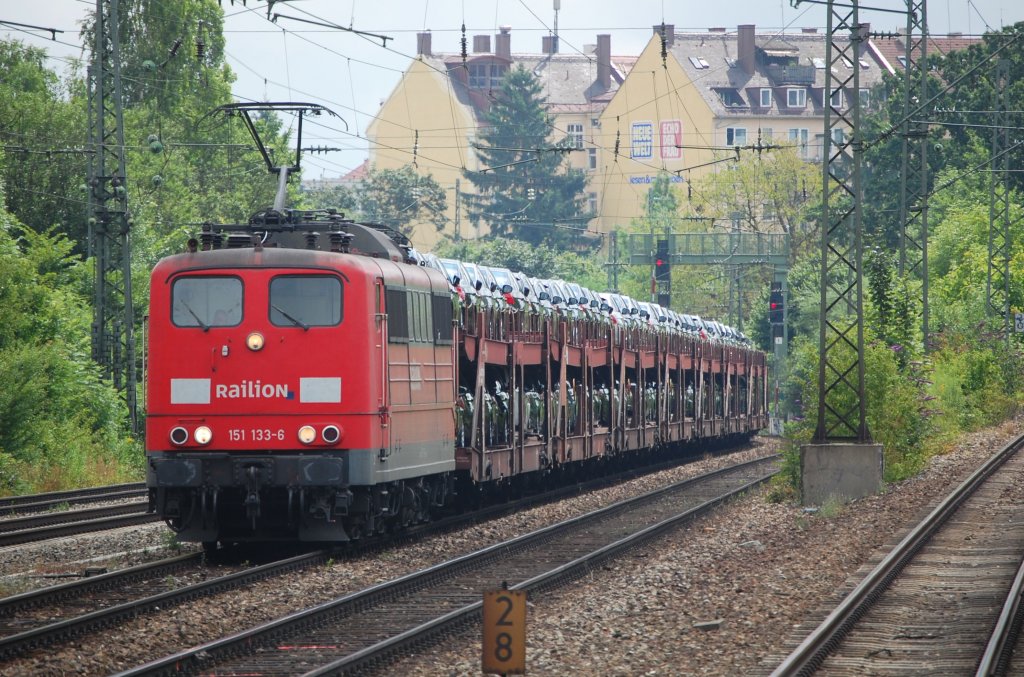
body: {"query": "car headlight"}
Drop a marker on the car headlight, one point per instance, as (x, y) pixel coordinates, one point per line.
(254, 341)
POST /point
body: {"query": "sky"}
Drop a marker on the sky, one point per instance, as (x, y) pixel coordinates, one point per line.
(352, 74)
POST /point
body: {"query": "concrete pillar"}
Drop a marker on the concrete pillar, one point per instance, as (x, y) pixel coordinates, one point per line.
(842, 471)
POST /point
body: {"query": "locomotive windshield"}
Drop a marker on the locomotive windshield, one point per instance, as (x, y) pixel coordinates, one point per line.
(305, 301)
(206, 302)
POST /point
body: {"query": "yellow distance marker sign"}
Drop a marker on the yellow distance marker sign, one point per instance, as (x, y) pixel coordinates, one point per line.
(504, 648)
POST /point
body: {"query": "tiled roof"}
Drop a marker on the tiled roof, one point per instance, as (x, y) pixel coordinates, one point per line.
(894, 49)
(713, 63)
(569, 81)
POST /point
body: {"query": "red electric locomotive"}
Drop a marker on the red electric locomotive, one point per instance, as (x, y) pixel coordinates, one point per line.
(277, 408)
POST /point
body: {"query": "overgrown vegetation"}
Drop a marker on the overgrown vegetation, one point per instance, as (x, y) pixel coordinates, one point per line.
(63, 425)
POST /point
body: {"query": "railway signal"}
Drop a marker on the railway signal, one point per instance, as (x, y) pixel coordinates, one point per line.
(776, 305)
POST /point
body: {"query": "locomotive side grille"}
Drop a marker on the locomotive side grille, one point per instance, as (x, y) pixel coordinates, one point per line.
(442, 312)
(398, 316)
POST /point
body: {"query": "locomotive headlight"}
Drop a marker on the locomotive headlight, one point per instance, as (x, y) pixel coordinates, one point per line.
(307, 434)
(330, 434)
(179, 436)
(202, 435)
(254, 341)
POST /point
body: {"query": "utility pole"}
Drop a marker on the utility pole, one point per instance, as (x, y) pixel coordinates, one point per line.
(841, 460)
(113, 326)
(458, 209)
(997, 283)
(914, 174)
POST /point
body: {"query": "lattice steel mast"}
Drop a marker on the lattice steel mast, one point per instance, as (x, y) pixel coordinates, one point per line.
(997, 283)
(841, 401)
(914, 174)
(113, 342)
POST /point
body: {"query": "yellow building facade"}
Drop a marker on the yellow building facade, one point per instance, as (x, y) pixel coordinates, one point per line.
(687, 105)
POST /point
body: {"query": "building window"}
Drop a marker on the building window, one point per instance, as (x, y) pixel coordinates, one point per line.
(796, 97)
(799, 138)
(766, 97)
(478, 75)
(642, 140)
(486, 75)
(735, 136)
(498, 72)
(836, 100)
(731, 98)
(575, 130)
(865, 98)
(838, 135)
(766, 134)
(592, 203)
(592, 159)
(699, 62)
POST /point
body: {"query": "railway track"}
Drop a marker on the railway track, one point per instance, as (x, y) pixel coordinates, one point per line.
(62, 612)
(18, 530)
(378, 624)
(13, 505)
(930, 603)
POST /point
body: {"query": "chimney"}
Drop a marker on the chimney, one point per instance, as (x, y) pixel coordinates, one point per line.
(864, 35)
(423, 43)
(481, 44)
(745, 47)
(604, 61)
(670, 33)
(503, 43)
(809, 31)
(549, 44)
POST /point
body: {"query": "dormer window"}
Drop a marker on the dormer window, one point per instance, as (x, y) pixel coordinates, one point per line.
(766, 97)
(796, 97)
(731, 98)
(486, 75)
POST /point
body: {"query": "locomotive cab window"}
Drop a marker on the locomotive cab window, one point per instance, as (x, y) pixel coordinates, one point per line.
(305, 301)
(206, 302)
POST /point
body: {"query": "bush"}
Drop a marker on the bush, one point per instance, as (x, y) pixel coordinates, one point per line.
(61, 426)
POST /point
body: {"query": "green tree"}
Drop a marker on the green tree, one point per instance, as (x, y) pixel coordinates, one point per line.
(524, 187)
(42, 124)
(976, 90)
(517, 255)
(892, 310)
(400, 197)
(770, 192)
(61, 425)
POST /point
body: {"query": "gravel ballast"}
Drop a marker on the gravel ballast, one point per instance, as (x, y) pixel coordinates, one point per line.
(749, 574)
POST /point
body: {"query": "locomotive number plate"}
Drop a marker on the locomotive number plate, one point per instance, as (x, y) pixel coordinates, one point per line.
(256, 435)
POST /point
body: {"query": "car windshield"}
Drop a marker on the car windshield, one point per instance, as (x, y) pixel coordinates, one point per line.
(451, 268)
